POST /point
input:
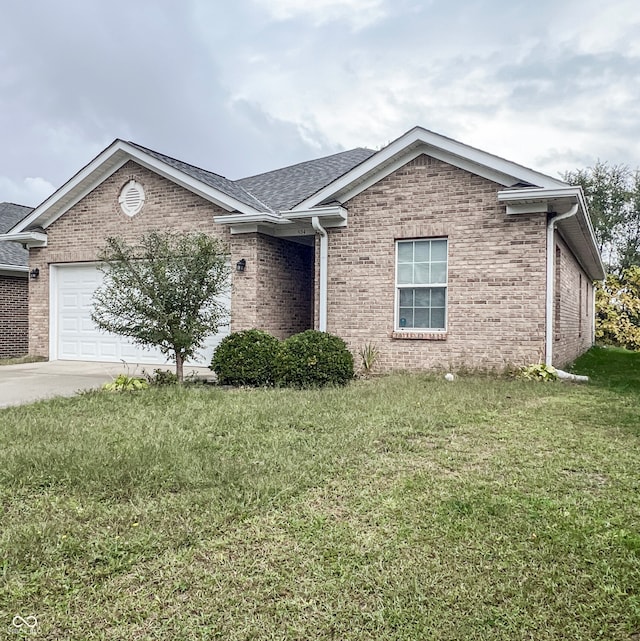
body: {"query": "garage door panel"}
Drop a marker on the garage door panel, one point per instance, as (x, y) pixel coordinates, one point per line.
(70, 301)
(86, 301)
(88, 349)
(109, 350)
(79, 339)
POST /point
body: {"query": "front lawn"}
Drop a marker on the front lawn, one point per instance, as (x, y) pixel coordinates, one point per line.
(404, 507)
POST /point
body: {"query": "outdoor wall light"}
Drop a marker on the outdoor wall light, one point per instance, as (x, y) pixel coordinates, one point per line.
(240, 265)
(34, 273)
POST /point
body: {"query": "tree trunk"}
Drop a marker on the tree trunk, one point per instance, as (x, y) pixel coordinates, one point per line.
(179, 367)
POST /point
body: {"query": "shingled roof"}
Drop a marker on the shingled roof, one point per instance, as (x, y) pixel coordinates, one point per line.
(284, 188)
(216, 181)
(277, 190)
(12, 253)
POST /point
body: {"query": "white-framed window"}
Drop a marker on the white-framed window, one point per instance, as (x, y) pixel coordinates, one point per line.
(421, 284)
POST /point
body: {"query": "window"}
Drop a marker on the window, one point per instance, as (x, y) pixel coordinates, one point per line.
(421, 284)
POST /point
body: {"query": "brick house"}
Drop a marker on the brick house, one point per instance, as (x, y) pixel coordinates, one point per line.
(14, 286)
(439, 254)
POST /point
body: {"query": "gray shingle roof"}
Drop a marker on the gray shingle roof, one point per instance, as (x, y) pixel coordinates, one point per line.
(12, 253)
(277, 190)
(284, 188)
(216, 181)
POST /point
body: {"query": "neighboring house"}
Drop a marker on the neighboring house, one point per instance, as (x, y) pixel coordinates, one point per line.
(14, 286)
(439, 254)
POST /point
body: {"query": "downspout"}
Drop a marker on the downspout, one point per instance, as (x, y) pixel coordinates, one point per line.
(324, 247)
(551, 280)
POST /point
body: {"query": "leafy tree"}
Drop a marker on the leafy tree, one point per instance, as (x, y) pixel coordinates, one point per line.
(613, 196)
(629, 232)
(618, 309)
(163, 292)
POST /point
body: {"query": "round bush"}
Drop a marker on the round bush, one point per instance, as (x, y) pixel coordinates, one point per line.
(313, 359)
(246, 358)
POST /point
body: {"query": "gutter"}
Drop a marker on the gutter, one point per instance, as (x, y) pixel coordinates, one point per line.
(27, 238)
(13, 268)
(550, 280)
(324, 247)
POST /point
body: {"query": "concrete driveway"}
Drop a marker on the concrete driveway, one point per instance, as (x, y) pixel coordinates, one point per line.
(21, 384)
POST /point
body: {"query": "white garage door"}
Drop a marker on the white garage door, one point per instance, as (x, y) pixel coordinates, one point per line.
(75, 336)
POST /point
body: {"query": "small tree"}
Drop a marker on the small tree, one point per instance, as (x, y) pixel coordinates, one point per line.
(618, 309)
(163, 292)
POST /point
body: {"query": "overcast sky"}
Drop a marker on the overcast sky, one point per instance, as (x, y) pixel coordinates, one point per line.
(244, 86)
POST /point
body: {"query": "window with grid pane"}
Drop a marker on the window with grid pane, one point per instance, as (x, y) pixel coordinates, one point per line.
(421, 282)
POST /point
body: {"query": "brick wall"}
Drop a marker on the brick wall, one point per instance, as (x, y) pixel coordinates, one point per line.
(14, 317)
(79, 234)
(496, 279)
(275, 292)
(573, 306)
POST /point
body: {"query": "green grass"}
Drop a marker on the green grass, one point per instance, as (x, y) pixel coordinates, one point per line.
(403, 507)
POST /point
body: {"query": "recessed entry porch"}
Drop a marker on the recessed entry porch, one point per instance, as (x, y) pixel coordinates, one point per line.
(287, 298)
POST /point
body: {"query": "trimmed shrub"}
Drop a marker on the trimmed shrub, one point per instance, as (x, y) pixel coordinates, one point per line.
(246, 358)
(314, 359)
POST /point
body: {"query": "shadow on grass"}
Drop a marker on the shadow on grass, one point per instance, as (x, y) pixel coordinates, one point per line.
(611, 367)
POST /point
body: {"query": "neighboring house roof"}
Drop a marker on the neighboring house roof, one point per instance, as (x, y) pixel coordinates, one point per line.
(283, 189)
(12, 254)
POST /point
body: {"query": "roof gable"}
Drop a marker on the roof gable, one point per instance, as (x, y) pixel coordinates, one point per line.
(420, 141)
(210, 186)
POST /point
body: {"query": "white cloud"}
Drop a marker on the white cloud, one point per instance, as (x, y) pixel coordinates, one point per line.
(358, 13)
(272, 82)
(29, 191)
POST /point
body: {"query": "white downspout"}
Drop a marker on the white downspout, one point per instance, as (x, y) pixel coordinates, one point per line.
(324, 247)
(593, 314)
(551, 280)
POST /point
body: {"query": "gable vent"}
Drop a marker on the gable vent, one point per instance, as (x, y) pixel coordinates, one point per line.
(131, 198)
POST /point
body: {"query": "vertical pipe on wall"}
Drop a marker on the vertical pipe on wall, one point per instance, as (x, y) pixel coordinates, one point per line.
(551, 280)
(324, 246)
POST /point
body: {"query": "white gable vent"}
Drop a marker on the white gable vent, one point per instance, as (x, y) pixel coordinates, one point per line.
(131, 198)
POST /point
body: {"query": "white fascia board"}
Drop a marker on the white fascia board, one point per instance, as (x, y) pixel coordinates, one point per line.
(333, 216)
(67, 193)
(28, 238)
(105, 165)
(13, 269)
(332, 211)
(240, 219)
(421, 141)
(247, 228)
(540, 207)
(535, 194)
